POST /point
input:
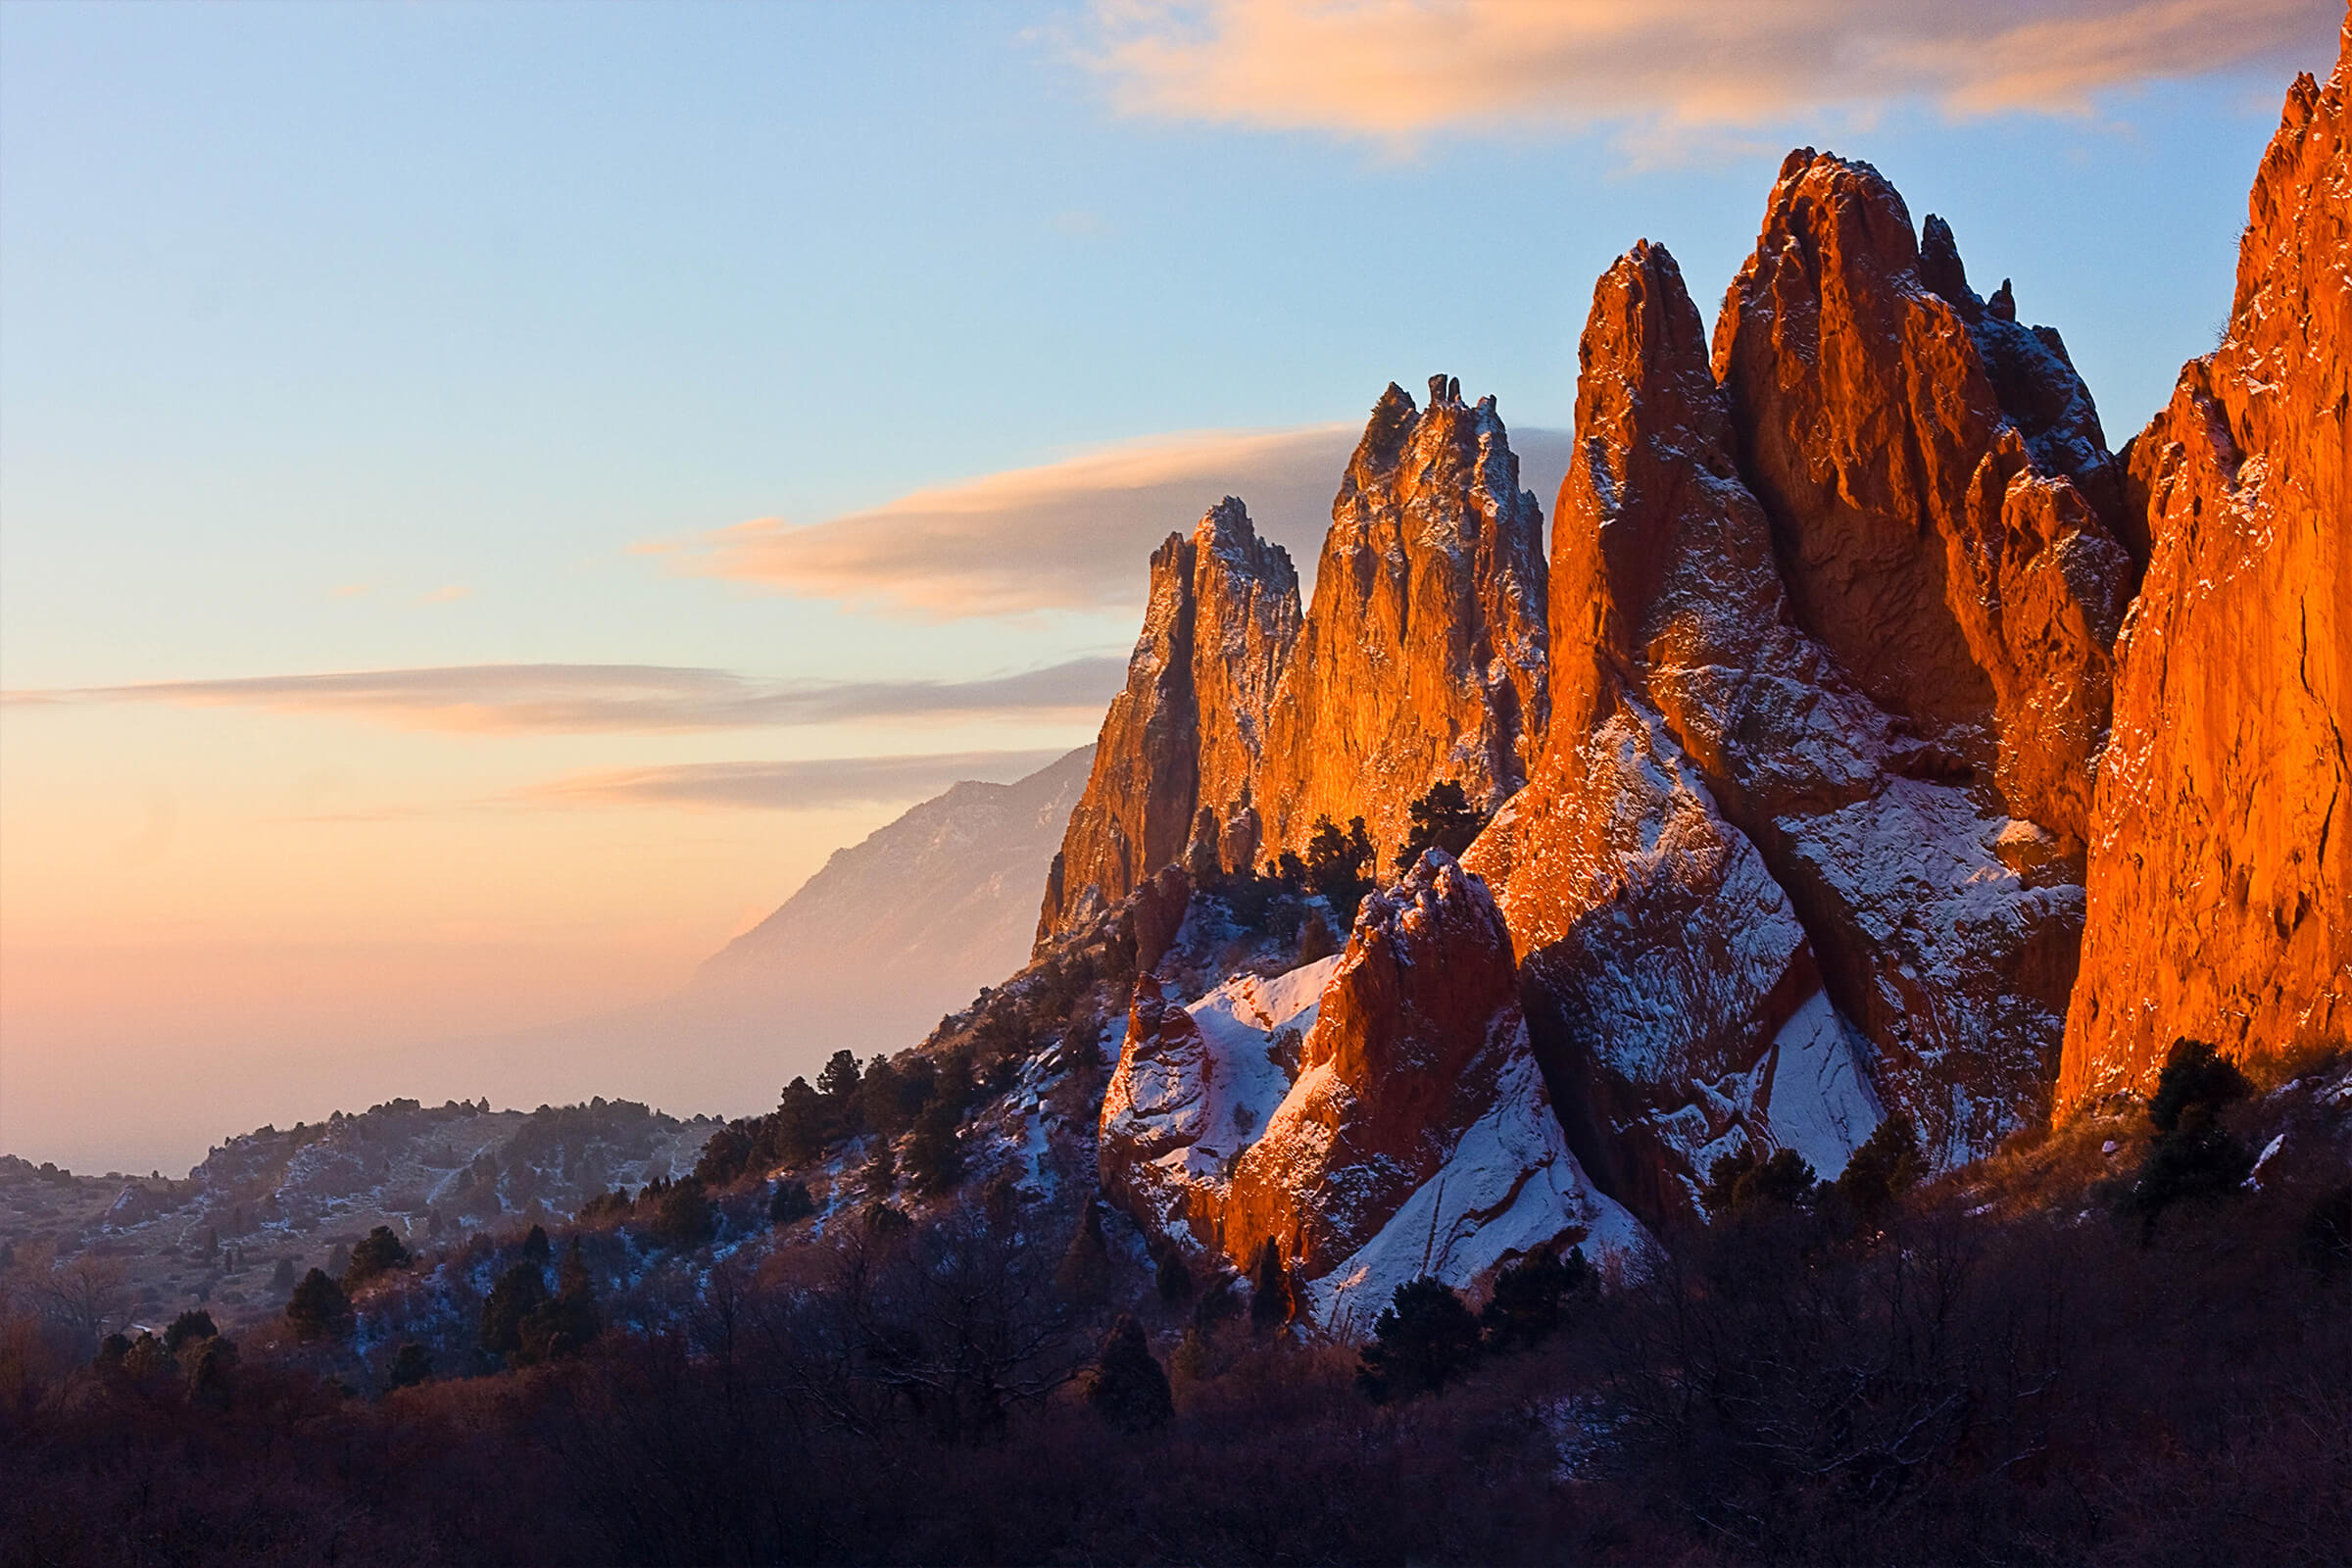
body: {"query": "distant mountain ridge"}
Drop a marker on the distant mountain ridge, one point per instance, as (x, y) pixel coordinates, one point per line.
(942, 900)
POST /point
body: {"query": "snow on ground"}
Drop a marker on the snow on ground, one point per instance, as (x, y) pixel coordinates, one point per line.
(1819, 1102)
(1509, 1187)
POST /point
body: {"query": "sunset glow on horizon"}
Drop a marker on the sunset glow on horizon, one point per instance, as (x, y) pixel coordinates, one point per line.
(492, 498)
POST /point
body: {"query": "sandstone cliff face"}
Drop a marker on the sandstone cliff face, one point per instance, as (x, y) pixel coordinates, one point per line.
(1411, 1133)
(2221, 871)
(1185, 736)
(1751, 902)
(1424, 653)
(1938, 528)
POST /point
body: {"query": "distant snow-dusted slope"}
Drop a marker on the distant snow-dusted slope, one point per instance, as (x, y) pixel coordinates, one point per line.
(912, 921)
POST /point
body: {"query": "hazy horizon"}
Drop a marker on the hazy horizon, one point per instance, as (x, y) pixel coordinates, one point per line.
(491, 499)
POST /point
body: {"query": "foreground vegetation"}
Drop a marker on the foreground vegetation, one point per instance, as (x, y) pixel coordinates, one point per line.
(2126, 1340)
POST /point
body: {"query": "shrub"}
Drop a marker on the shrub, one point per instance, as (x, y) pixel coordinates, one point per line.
(1423, 1340)
(1271, 1303)
(934, 1149)
(1882, 1170)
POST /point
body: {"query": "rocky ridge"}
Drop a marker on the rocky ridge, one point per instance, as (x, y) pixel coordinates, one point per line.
(2220, 865)
(1832, 639)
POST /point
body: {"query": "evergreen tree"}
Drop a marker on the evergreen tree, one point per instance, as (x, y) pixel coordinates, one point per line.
(800, 1123)
(519, 1292)
(934, 1149)
(380, 1253)
(282, 1277)
(1271, 1301)
(536, 1246)
(882, 1094)
(880, 1177)
(1529, 1299)
(839, 1086)
(1084, 1273)
(318, 1309)
(791, 1201)
(1738, 1183)
(1128, 1387)
(1423, 1339)
(2193, 1155)
(195, 1325)
(1442, 819)
(684, 1218)
(565, 1321)
(1339, 865)
(1882, 1170)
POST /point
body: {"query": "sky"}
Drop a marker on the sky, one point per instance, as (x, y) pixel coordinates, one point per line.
(492, 496)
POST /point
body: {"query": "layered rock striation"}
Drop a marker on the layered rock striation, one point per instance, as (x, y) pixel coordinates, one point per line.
(1424, 656)
(1183, 740)
(1422, 659)
(2220, 866)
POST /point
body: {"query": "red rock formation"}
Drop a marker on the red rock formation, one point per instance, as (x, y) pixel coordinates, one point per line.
(1938, 539)
(1183, 738)
(1413, 1131)
(1423, 656)
(2221, 871)
(1725, 826)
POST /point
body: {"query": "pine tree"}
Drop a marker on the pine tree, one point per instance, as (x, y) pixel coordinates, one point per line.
(1128, 1387)
(1528, 1297)
(380, 1253)
(567, 1320)
(1423, 1339)
(839, 1085)
(519, 1292)
(800, 1123)
(413, 1364)
(1882, 1170)
(1441, 820)
(282, 1277)
(1339, 865)
(318, 1309)
(880, 1178)
(934, 1149)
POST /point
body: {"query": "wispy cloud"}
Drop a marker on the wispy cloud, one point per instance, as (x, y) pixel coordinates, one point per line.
(786, 786)
(580, 698)
(1398, 70)
(1072, 535)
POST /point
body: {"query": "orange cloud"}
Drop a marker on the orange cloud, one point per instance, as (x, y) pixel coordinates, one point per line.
(586, 698)
(1071, 535)
(1397, 70)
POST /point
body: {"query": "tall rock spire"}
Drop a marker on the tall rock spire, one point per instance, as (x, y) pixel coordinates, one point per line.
(1934, 483)
(1423, 656)
(2221, 871)
(1182, 740)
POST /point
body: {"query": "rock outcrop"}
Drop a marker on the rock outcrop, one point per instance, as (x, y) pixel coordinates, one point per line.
(1932, 483)
(1424, 653)
(1409, 1132)
(2221, 870)
(1831, 621)
(1181, 743)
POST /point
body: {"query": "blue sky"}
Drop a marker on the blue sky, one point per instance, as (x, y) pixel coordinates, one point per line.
(355, 338)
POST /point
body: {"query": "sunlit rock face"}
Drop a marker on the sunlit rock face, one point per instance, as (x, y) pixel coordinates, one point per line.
(1377, 1114)
(1935, 477)
(1830, 618)
(2220, 862)
(1424, 653)
(1181, 742)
